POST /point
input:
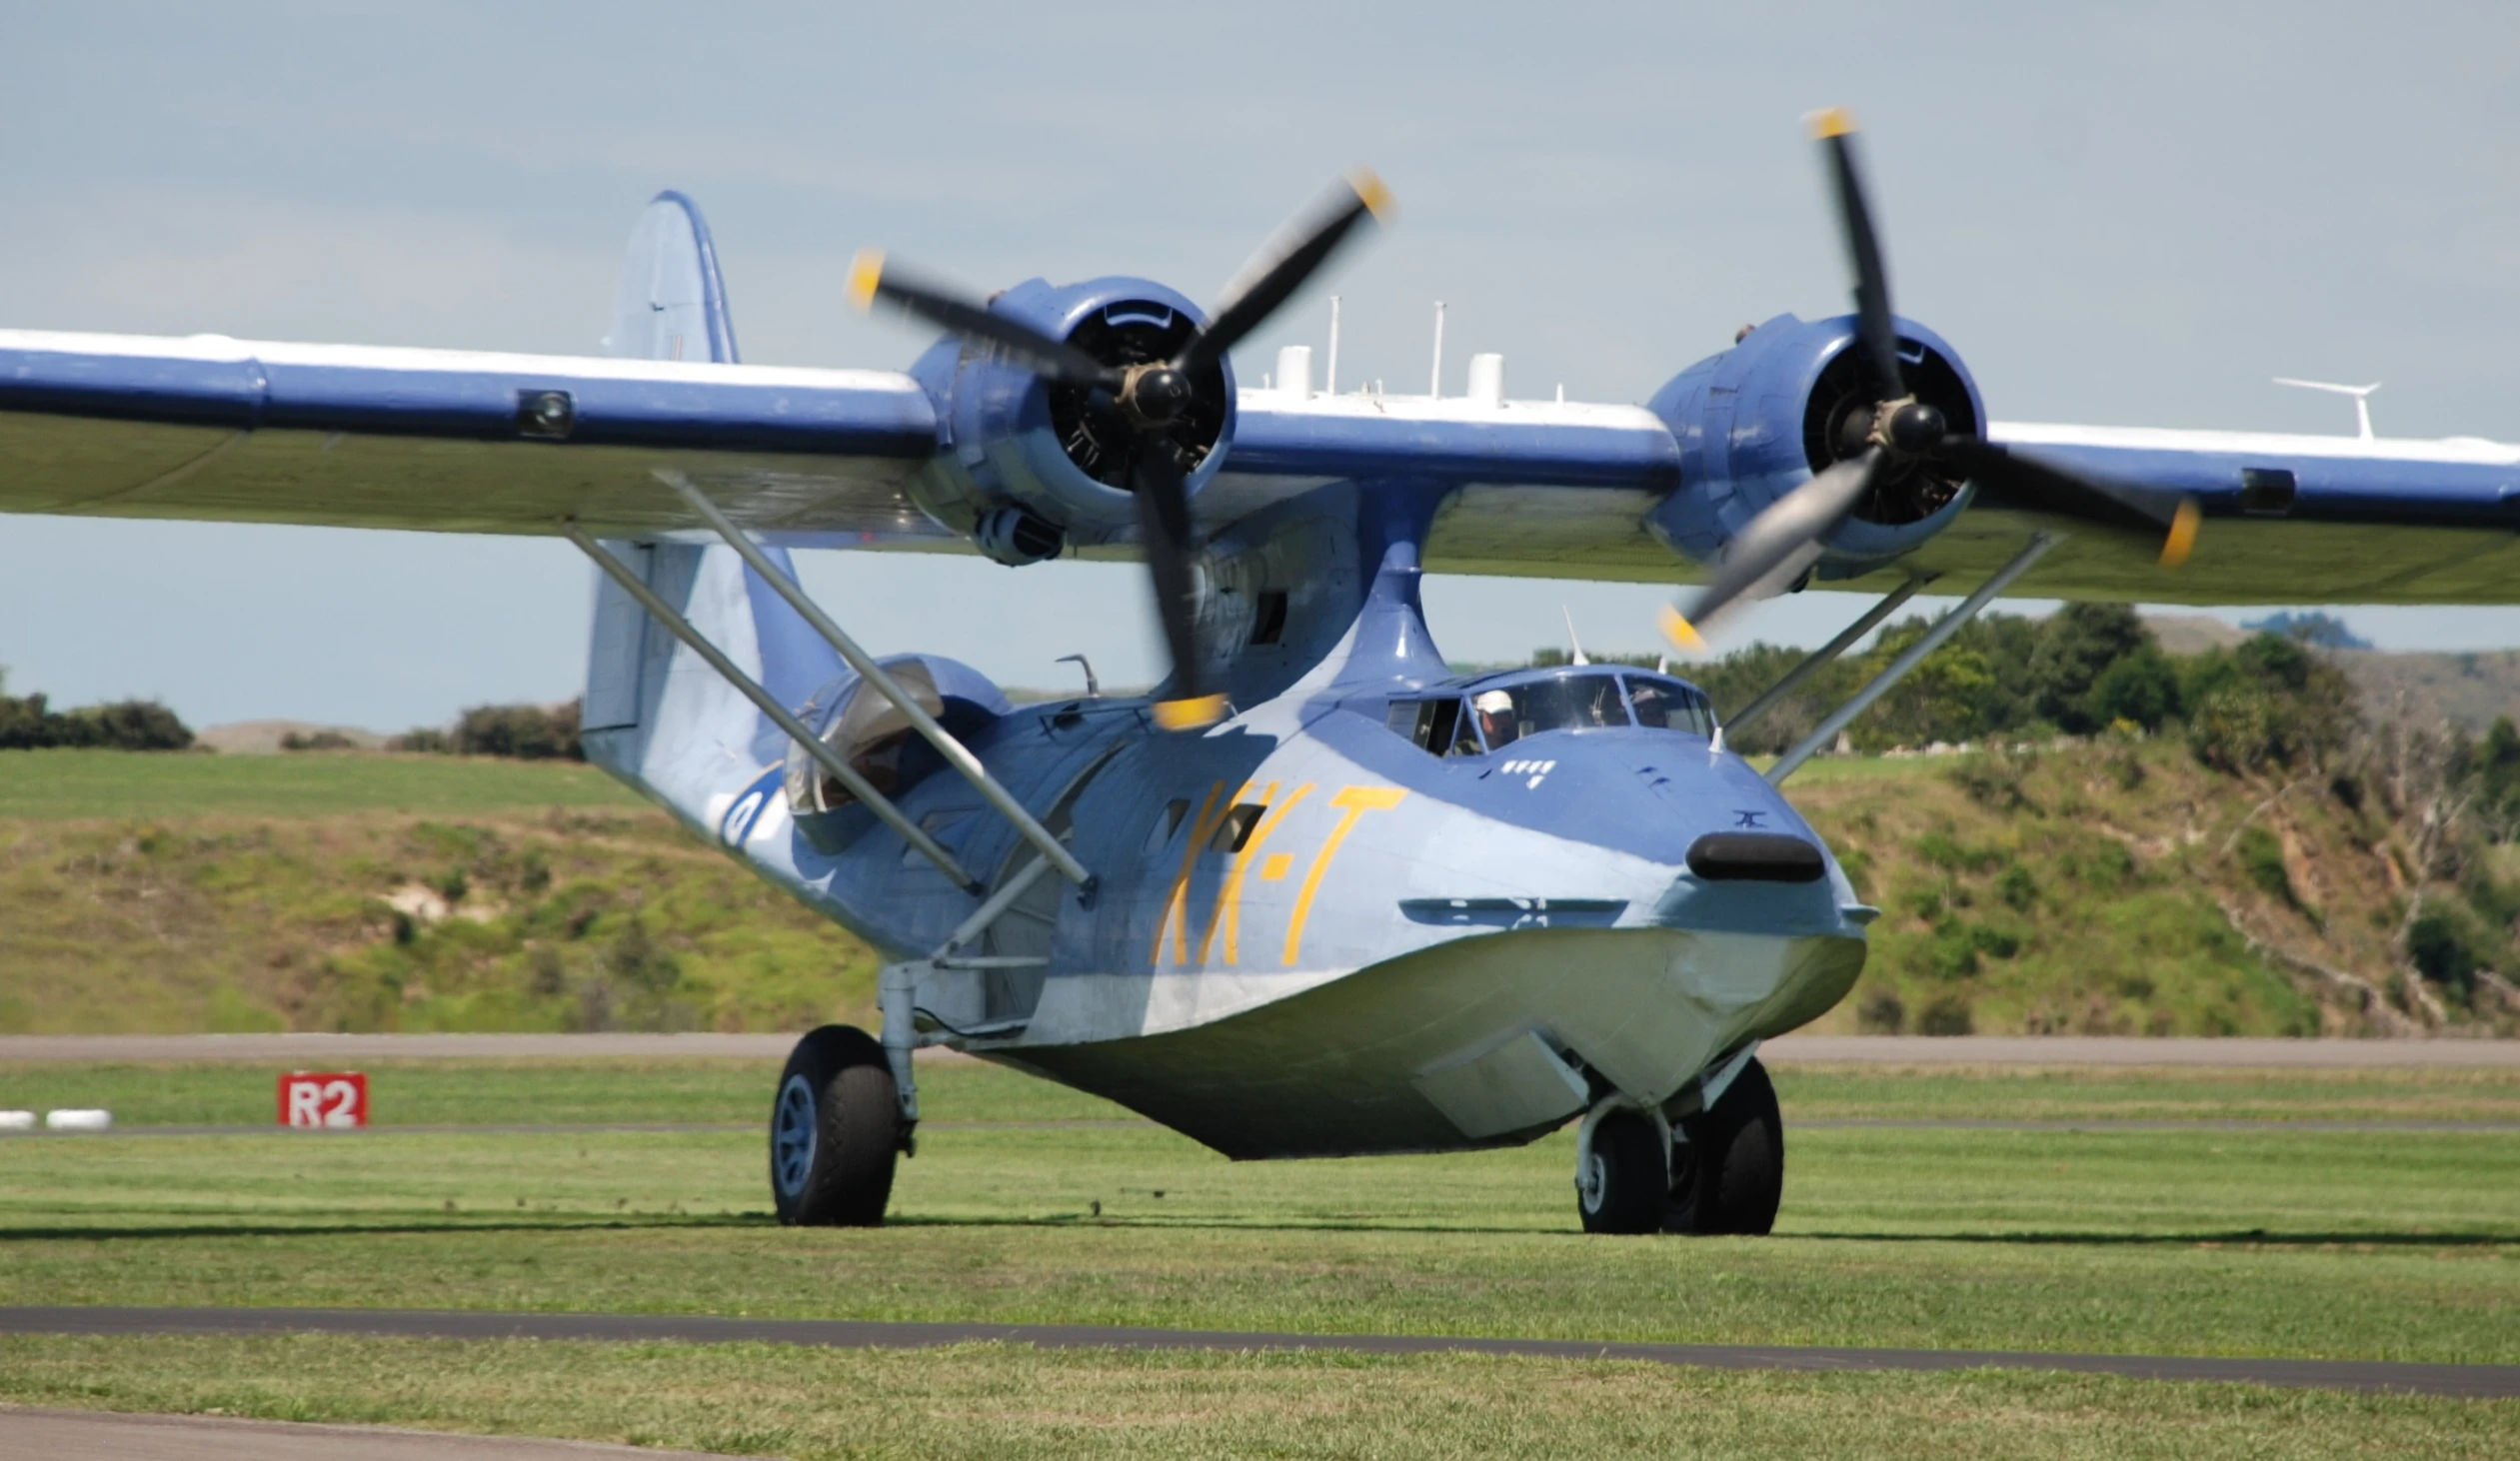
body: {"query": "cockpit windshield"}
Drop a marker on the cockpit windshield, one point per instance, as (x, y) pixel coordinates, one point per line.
(1567, 703)
(1491, 716)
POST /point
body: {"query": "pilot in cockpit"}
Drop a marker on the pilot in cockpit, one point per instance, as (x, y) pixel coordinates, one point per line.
(1495, 718)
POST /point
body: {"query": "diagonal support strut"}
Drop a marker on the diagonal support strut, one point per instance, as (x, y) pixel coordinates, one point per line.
(814, 746)
(955, 753)
(1888, 605)
(1909, 658)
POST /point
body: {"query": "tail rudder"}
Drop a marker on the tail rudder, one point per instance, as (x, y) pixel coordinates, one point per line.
(656, 714)
(672, 303)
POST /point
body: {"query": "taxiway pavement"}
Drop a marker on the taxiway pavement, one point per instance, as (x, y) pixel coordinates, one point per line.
(96, 1435)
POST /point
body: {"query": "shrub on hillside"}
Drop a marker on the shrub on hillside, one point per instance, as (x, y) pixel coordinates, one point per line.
(424, 740)
(2269, 705)
(319, 741)
(526, 733)
(2447, 948)
(28, 722)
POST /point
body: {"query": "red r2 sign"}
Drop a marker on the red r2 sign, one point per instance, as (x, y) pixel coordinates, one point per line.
(323, 1099)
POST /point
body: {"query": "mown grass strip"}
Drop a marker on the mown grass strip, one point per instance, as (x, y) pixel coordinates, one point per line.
(1008, 1400)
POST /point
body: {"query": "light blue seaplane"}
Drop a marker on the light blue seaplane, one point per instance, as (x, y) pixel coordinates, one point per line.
(1319, 896)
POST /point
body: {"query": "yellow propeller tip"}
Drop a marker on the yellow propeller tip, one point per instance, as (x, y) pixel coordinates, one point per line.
(1371, 192)
(1678, 628)
(1195, 713)
(866, 272)
(1831, 122)
(2182, 539)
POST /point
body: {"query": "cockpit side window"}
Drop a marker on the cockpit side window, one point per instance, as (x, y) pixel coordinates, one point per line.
(1668, 705)
(1435, 725)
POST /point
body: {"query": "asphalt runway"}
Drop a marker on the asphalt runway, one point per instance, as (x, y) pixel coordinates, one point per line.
(318, 1051)
(105, 1436)
(2474, 1382)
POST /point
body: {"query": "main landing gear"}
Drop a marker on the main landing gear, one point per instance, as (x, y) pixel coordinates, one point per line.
(834, 1130)
(1721, 1170)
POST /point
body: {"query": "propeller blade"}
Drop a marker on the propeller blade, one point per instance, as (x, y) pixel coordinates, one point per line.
(1160, 481)
(1786, 533)
(2025, 484)
(1280, 268)
(870, 280)
(1834, 127)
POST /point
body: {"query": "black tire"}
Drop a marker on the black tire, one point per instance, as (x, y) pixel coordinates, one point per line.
(1728, 1174)
(835, 1126)
(1626, 1190)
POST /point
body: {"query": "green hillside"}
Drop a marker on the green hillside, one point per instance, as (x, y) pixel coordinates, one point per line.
(148, 893)
(2109, 886)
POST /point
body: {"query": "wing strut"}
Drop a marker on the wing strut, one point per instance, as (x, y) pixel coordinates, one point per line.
(955, 753)
(824, 755)
(1909, 658)
(1889, 605)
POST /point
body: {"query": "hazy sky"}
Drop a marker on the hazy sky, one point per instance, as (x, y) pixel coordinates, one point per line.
(2132, 214)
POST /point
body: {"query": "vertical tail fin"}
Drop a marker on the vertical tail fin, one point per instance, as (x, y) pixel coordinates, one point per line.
(671, 304)
(656, 714)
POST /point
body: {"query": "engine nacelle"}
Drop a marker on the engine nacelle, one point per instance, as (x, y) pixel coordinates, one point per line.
(1028, 465)
(1791, 398)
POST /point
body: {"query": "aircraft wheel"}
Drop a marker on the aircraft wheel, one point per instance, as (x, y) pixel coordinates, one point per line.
(832, 1131)
(1728, 1175)
(1621, 1189)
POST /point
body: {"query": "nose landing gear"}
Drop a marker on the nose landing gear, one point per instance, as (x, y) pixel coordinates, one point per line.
(1722, 1172)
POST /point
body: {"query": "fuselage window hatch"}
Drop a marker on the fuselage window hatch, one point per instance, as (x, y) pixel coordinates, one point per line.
(1237, 828)
(1166, 824)
(1269, 617)
(2266, 491)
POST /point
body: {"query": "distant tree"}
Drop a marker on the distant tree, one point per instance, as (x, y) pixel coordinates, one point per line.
(2076, 645)
(2321, 630)
(2140, 687)
(425, 740)
(527, 732)
(1952, 696)
(2270, 702)
(29, 722)
(2493, 764)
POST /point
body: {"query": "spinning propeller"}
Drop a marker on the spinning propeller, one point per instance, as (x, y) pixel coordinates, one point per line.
(1785, 540)
(1150, 398)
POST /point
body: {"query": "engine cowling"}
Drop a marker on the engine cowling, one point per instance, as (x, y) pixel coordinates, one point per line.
(1789, 400)
(1028, 466)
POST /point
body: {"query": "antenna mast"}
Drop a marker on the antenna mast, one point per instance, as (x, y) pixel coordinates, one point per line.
(1435, 388)
(1330, 371)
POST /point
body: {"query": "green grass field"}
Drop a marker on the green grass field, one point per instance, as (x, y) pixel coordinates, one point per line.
(1030, 1203)
(57, 785)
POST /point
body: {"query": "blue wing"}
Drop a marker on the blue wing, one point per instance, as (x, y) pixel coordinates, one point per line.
(217, 428)
(2287, 520)
(211, 428)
